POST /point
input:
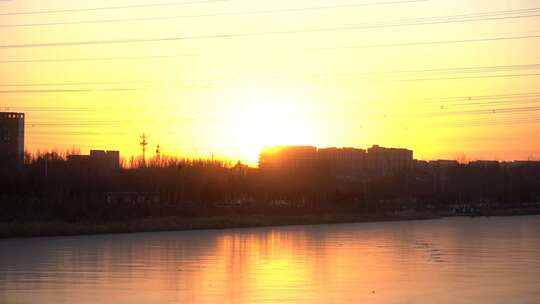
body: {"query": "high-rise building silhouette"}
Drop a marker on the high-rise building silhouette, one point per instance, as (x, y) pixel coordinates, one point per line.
(389, 161)
(99, 161)
(11, 140)
(376, 162)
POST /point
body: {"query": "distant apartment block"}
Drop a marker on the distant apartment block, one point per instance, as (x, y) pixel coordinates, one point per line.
(389, 161)
(288, 158)
(98, 160)
(11, 140)
(443, 164)
(343, 161)
(441, 174)
(375, 162)
(521, 164)
(485, 164)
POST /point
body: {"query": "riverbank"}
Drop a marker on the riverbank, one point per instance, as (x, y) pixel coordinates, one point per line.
(58, 228)
(178, 223)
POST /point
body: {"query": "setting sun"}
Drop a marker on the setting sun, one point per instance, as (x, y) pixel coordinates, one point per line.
(270, 117)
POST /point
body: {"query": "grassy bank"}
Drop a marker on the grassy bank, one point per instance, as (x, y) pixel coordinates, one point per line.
(58, 228)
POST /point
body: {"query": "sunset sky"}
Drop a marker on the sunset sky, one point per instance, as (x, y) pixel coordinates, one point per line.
(444, 78)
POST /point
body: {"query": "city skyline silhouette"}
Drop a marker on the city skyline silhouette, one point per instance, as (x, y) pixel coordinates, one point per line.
(227, 78)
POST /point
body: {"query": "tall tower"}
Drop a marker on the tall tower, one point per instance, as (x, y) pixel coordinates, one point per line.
(143, 144)
(11, 140)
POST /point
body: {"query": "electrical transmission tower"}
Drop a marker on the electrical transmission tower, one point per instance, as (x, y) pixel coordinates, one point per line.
(143, 144)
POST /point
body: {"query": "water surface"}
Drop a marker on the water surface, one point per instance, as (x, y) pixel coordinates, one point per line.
(457, 260)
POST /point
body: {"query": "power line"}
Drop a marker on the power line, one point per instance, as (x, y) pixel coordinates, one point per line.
(506, 112)
(71, 90)
(74, 133)
(266, 51)
(154, 88)
(471, 100)
(54, 109)
(492, 96)
(448, 41)
(488, 111)
(497, 116)
(488, 122)
(398, 23)
(477, 69)
(510, 113)
(76, 124)
(464, 70)
(470, 77)
(489, 103)
(96, 58)
(255, 12)
(524, 116)
(525, 98)
(45, 84)
(111, 7)
(505, 116)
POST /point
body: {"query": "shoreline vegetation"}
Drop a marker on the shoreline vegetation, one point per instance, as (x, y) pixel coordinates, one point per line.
(184, 223)
(55, 195)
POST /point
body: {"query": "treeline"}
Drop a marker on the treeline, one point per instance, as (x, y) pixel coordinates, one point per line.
(50, 188)
(501, 184)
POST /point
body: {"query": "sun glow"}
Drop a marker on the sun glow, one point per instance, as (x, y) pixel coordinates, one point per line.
(269, 118)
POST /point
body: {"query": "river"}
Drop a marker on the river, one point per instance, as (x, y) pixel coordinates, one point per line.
(450, 260)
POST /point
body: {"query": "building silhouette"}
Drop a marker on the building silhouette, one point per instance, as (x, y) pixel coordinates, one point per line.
(98, 161)
(11, 140)
(389, 161)
(343, 161)
(374, 163)
(288, 158)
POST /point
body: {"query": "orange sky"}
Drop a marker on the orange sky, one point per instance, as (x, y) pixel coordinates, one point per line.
(229, 77)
